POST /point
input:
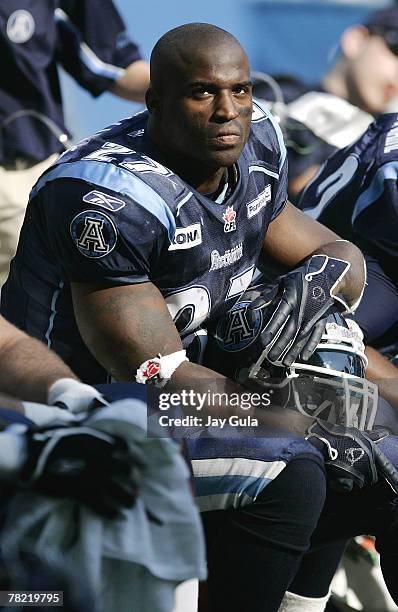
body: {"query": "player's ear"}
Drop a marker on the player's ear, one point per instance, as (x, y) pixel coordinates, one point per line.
(152, 100)
(353, 41)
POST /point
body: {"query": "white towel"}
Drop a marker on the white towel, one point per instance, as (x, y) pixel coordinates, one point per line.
(132, 558)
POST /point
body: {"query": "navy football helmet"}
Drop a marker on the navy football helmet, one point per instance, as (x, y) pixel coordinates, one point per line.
(331, 385)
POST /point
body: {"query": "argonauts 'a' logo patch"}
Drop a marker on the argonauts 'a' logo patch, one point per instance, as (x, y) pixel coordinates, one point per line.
(94, 233)
(20, 26)
(239, 328)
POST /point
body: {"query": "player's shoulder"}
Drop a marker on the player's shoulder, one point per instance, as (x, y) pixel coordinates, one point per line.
(376, 151)
(386, 139)
(117, 159)
(266, 137)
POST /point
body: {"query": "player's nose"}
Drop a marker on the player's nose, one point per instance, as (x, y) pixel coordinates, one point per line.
(226, 106)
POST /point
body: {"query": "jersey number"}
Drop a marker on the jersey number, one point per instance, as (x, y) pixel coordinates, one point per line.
(189, 308)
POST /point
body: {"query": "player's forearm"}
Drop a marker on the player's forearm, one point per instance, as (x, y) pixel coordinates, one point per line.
(28, 368)
(134, 82)
(352, 284)
(215, 396)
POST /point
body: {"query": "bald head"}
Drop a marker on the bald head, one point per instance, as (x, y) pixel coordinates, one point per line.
(181, 47)
(199, 100)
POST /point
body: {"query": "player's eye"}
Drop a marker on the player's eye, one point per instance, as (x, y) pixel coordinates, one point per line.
(241, 90)
(201, 92)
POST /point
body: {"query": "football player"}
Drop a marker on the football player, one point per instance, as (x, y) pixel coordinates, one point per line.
(360, 83)
(355, 194)
(153, 227)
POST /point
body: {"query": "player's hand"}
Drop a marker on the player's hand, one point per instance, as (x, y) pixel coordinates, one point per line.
(299, 302)
(83, 464)
(352, 457)
(75, 396)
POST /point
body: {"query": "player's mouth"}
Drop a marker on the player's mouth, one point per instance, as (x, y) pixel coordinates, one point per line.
(228, 139)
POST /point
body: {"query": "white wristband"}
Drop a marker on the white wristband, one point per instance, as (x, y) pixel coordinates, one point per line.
(160, 369)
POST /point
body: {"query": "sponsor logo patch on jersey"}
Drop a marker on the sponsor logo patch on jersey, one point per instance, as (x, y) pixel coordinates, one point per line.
(229, 217)
(186, 237)
(239, 329)
(104, 200)
(136, 133)
(230, 257)
(20, 26)
(254, 207)
(94, 233)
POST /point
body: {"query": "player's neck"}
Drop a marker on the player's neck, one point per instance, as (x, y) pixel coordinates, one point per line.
(202, 178)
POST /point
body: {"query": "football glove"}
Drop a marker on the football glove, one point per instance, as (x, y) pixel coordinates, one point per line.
(75, 396)
(300, 301)
(83, 464)
(352, 457)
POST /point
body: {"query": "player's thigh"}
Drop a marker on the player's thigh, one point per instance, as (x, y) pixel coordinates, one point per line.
(377, 314)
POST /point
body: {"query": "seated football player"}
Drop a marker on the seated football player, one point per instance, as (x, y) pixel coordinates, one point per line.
(355, 195)
(153, 227)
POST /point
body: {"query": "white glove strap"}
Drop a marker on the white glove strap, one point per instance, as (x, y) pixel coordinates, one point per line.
(73, 394)
(160, 369)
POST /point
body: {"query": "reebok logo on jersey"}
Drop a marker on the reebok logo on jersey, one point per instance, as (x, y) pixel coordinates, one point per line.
(259, 202)
(186, 237)
(230, 256)
(104, 200)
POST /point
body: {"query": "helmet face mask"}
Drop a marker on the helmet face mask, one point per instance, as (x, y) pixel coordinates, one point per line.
(341, 400)
(331, 385)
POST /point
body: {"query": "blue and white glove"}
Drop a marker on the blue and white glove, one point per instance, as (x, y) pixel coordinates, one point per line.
(352, 457)
(300, 302)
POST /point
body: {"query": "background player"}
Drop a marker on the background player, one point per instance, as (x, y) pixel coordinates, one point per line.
(355, 194)
(359, 85)
(91, 43)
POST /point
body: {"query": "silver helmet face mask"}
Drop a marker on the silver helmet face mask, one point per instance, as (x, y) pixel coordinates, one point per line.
(331, 385)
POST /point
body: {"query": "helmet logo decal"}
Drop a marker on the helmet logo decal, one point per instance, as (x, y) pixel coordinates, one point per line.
(353, 455)
(318, 294)
(239, 328)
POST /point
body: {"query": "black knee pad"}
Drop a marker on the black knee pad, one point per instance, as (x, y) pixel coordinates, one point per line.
(287, 510)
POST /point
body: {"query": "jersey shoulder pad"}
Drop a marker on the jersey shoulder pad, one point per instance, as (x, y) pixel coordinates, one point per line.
(386, 127)
(266, 132)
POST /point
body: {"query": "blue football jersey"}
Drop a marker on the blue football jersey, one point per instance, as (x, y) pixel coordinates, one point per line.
(355, 193)
(110, 211)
